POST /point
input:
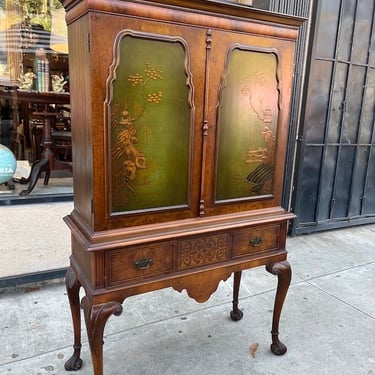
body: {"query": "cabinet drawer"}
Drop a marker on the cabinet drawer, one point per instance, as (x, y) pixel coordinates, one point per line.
(138, 262)
(256, 239)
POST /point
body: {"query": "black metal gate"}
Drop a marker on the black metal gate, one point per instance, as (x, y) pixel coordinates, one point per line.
(334, 183)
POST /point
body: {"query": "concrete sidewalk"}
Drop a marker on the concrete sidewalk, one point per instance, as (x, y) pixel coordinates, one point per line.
(328, 321)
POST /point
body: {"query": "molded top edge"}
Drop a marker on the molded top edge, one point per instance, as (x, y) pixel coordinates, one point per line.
(210, 6)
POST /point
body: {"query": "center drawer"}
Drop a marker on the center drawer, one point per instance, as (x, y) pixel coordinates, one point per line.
(138, 262)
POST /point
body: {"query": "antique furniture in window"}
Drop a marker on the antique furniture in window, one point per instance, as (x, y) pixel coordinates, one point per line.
(179, 155)
(42, 102)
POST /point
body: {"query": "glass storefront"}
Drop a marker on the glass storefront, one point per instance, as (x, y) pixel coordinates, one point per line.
(34, 100)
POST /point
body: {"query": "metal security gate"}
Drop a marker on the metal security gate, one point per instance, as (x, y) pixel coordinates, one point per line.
(334, 183)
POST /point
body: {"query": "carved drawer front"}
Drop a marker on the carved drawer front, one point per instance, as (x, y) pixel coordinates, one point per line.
(256, 239)
(203, 250)
(139, 262)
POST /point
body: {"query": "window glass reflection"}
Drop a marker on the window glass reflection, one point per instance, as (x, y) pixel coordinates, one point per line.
(34, 97)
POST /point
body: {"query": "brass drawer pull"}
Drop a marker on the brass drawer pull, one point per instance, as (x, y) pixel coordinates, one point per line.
(256, 241)
(143, 264)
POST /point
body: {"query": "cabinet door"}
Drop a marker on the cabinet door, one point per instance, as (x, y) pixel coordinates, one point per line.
(249, 102)
(153, 117)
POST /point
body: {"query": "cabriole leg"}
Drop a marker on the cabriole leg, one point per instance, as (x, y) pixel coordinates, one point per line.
(236, 314)
(72, 287)
(284, 274)
(96, 317)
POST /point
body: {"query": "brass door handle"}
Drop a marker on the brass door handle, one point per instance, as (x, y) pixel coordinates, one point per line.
(256, 241)
(143, 264)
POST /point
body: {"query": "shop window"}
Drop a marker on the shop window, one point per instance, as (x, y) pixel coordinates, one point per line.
(34, 99)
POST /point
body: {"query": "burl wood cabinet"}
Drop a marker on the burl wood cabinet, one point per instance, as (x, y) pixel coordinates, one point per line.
(180, 120)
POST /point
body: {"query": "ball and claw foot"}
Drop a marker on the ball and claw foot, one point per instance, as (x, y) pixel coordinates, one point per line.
(277, 347)
(236, 315)
(73, 364)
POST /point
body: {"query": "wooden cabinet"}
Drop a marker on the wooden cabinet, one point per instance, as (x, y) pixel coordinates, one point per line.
(180, 120)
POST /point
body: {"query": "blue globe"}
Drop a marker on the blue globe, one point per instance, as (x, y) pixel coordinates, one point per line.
(8, 164)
